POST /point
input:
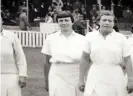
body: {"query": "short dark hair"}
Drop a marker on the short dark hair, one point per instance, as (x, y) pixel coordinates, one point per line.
(105, 13)
(63, 14)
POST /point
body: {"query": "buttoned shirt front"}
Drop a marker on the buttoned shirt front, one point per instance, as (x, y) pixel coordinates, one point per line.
(12, 56)
(64, 49)
(109, 50)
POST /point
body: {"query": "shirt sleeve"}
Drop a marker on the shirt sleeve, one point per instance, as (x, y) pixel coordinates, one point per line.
(87, 45)
(131, 49)
(46, 46)
(130, 41)
(126, 47)
(19, 56)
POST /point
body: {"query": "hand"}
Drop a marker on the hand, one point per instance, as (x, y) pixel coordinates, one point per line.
(22, 81)
(81, 86)
(130, 86)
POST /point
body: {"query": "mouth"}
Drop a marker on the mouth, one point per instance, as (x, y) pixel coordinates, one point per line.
(64, 25)
(106, 26)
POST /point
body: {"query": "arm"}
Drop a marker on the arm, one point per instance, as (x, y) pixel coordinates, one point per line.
(26, 21)
(20, 61)
(84, 66)
(128, 65)
(129, 70)
(127, 57)
(46, 50)
(47, 66)
(19, 57)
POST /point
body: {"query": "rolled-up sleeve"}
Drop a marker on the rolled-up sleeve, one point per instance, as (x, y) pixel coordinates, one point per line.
(19, 56)
(46, 46)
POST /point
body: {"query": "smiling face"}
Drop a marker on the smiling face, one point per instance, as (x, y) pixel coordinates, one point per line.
(106, 23)
(65, 23)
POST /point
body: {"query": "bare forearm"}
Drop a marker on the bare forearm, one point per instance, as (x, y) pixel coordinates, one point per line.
(47, 66)
(129, 67)
(84, 66)
(46, 71)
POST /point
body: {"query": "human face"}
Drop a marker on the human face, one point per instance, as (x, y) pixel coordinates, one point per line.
(65, 23)
(106, 23)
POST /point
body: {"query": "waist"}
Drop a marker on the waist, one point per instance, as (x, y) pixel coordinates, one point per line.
(62, 67)
(65, 62)
(9, 68)
(106, 64)
(106, 68)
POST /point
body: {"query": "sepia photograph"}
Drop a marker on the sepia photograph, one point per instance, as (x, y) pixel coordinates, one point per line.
(66, 47)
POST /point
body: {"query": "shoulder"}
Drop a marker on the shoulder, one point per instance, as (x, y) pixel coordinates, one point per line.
(8, 33)
(92, 35)
(79, 35)
(130, 40)
(119, 35)
(53, 35)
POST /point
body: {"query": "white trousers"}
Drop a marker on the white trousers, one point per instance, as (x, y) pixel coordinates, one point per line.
(63, 80)
(9, 85)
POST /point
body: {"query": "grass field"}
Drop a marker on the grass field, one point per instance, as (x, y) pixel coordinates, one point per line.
(35, 84)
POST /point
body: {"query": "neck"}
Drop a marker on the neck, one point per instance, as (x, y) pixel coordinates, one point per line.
(104, 34)
(67, 33)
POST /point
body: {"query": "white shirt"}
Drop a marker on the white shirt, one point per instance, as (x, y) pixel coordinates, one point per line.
(130, 42)
(110, 50)
(64, 49)
(12, 56)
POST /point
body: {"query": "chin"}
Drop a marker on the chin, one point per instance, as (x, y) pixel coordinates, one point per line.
(64, 29)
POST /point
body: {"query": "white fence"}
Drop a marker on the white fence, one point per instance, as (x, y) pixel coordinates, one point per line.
(30, 38)
(33, 38)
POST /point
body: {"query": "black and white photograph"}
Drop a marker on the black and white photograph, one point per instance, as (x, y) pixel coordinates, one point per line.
(66, 47)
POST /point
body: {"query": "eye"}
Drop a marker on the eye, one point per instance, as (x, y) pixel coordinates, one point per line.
(104, 20)
(110, 21)
(66, 20)
(60, 21)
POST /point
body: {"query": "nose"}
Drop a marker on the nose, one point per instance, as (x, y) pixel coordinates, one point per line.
(107, 22)
(63, 22)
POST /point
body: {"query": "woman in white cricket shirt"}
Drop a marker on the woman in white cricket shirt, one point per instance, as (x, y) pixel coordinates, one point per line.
(106, 49)
(63, 50)
(13, 64)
